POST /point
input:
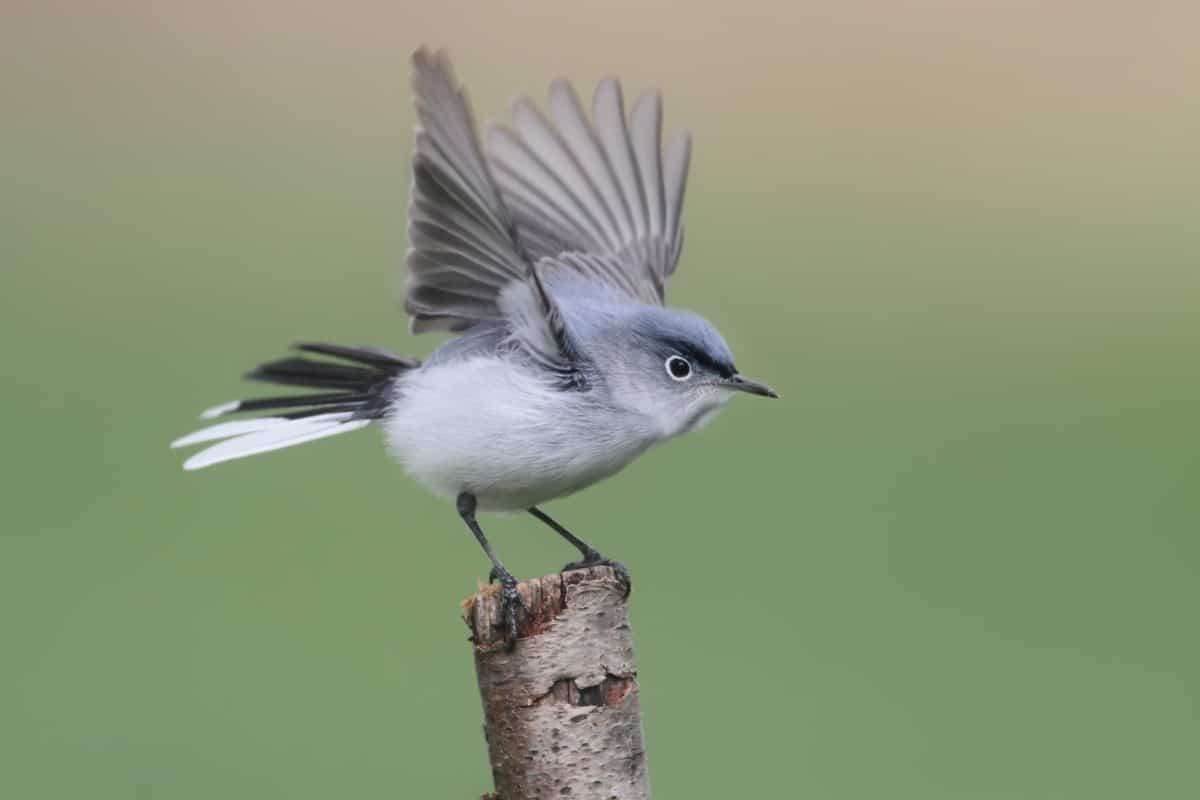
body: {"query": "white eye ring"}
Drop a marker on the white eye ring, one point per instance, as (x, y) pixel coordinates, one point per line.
(678, 368)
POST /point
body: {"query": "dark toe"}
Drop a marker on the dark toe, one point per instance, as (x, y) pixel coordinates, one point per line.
(622, 576)
(512, 607)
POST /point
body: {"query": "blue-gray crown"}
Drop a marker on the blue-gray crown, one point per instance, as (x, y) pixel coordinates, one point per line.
(690, 335)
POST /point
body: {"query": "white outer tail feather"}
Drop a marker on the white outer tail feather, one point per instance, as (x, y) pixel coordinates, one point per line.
(221, 410)
(225, 430)
(253, 436)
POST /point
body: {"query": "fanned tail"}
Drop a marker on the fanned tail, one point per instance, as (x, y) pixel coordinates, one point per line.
(354, 394)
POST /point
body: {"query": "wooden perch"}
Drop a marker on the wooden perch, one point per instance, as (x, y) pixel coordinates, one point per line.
(561, 711)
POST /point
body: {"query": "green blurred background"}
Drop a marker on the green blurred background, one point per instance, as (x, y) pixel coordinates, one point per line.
(958, 560)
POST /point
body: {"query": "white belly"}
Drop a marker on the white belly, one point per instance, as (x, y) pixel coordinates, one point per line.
(506, 436)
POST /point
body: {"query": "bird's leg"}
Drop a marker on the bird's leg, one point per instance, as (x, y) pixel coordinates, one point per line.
(591, 556)
(511, 604)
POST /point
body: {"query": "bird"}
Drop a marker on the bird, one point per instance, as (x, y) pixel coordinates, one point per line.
(545, 245)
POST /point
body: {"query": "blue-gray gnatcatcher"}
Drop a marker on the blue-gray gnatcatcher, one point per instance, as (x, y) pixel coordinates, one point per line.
(548, 251)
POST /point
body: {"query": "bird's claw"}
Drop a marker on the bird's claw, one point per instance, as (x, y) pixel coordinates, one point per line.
(594, 559)
(512, 608)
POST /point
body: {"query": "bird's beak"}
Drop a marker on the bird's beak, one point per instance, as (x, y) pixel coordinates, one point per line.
(743, 384)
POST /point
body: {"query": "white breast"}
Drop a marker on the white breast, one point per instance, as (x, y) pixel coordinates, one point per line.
(506, 435)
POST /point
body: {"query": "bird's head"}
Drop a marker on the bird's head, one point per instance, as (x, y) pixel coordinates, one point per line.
(674, 367)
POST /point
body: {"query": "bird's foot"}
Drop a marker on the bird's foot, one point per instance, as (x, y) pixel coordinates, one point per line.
(592, 558)
(512, 607)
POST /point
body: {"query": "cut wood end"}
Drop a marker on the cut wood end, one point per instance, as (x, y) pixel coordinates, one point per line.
(544, 597)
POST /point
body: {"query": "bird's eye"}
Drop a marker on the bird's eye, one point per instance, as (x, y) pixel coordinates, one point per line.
(678, 368)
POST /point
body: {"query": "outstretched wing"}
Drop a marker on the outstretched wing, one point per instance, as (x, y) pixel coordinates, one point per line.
(602, 188)
(595, 198)
(462, 243)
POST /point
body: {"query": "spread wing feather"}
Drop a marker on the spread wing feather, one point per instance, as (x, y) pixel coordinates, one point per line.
(462, 249)
(599, 187)
(595, 196)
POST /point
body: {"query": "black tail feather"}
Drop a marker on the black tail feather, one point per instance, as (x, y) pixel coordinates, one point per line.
(294, 400)
(296, 371)
(362, 386)
(361, 411)
(373, 356)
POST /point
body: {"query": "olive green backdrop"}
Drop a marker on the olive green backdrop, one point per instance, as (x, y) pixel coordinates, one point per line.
(957, 560)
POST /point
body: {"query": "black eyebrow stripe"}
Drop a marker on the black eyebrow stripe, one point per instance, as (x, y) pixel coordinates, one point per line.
(687, 350)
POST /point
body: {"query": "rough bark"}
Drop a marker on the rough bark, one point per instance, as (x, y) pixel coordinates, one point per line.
(561, 711)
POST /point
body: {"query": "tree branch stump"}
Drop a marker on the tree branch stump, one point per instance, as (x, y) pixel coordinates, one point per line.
(561, 711)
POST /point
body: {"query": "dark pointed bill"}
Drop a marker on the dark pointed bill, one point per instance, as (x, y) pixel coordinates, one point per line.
(744, 384)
